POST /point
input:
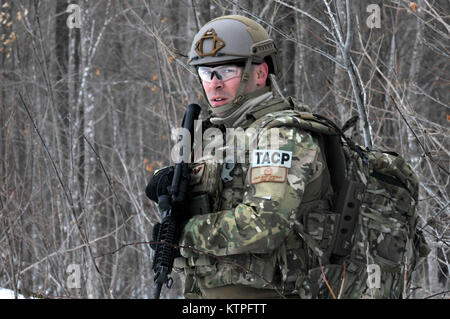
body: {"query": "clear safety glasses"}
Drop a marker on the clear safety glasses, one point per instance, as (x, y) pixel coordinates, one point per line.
(223, 72)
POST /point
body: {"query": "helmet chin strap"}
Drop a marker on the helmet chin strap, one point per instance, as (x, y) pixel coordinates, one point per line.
(237, 117)
(240, 96)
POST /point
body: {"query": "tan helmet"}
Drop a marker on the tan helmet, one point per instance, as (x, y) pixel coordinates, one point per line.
(229, 39)
(233, 38)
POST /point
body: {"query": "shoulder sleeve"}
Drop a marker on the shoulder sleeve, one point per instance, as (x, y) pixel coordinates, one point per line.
(272, 194)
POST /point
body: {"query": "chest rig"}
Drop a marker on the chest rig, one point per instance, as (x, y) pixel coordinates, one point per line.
(219, 184)
(216, 186)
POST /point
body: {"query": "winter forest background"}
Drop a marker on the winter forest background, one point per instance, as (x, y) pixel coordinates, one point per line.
(86, 116)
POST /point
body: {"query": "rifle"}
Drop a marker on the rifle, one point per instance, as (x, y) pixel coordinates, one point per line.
(173, 208)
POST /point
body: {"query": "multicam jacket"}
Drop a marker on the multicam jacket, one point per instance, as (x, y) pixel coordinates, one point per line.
(263, 215)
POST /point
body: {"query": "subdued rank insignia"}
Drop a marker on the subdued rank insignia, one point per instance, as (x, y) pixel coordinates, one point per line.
(271, 158)
(217, 43)
(197, 173)
(273, 174)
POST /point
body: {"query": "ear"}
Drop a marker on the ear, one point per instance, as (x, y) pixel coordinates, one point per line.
(262, 72)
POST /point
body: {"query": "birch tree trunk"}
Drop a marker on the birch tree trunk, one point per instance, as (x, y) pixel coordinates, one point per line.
(416, 61)
(340, 82)
(300, 54)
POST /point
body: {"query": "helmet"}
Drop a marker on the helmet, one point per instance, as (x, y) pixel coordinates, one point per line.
(229, 39)
(233, 38)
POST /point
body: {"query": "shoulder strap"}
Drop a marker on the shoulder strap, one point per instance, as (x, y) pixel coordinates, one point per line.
(276, 105)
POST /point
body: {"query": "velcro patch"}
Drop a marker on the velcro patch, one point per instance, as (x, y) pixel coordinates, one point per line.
(197, 173)
(271, 158)
(272, 174)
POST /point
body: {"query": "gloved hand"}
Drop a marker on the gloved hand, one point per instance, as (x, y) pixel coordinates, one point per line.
(160, 183)
(155, 236)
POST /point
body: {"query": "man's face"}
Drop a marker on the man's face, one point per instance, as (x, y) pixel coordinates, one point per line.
(221, 83)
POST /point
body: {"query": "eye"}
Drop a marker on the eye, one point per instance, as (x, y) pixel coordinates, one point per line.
(205, 73)
(230, 71)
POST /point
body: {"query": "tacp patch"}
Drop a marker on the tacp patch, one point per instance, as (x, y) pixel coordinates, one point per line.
(272, 174)
(271, 158)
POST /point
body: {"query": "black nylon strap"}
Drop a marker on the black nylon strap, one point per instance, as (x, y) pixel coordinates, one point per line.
(388, 179)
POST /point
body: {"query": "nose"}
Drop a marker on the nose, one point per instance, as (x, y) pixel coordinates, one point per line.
(215, 81)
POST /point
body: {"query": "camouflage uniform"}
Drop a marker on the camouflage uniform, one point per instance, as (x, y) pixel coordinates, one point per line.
(274, 238)
(253, 239)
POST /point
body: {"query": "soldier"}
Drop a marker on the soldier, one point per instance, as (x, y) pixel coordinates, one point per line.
(283, 223)
(248, 245)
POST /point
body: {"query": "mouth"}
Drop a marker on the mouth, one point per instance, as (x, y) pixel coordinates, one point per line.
(218, 101)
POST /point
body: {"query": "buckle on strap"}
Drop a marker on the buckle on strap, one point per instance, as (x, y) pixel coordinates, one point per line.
(238, 101)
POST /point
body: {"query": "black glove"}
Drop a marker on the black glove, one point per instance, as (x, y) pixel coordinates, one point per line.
(155, 235)
(160, 183)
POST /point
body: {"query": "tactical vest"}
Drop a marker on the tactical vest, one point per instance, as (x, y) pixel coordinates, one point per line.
(215, 187)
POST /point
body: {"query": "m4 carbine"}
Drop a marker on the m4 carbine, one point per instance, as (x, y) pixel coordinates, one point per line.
(174, 208)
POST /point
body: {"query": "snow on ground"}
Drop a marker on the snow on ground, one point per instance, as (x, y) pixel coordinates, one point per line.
(9, 294)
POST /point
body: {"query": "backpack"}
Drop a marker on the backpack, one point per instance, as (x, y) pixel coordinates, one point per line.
(376, 244)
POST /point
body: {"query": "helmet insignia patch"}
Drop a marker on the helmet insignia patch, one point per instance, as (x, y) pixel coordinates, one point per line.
(217, 43)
